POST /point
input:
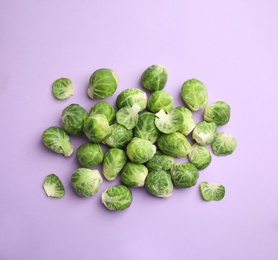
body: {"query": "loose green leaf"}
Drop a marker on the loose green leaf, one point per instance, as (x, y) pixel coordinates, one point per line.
(212, 191)
(53, 186)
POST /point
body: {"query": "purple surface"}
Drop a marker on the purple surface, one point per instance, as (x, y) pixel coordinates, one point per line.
(229, 45)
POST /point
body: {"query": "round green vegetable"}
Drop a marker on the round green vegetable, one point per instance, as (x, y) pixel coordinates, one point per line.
(188, 121)
(224, 144)
(212, 191)
(160, 100)
(218, 112)
(205, 133)
(134, 174)
(62, 88)
(53, 186)
(128, 116)
(160, 161)
(104, 108)
(199, 156)
(89, 155)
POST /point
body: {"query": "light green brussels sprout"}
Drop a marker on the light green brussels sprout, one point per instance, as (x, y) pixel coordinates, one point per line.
(113, 162)
(103, 83)
(89, 155)
(205, 133)
(57, 140)
(146, 128)
(134, 174)
(218, 112)
(53, 186)
(86, 182)
(188, 121)
(117, 197)
(73, 118)
(224, 144)
(154, 78)
(104, 108)
(160, 161)
(132, 96)
(184, 174)
(160, 100)
(159, 184)
(62, 88)
(140, 150)
(128, 116)
(175, 144)
(96, 128)
(199, 156)
(212, 191)
(194, 94)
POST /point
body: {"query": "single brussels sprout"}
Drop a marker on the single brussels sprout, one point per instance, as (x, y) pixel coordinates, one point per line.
(194, 94)
(132, 96)
(160, 161)
(188, 121)
(218, 112)
(224, 144)
(57, 140)
(86, 182)
(134, 174)
(205, 133)
(62, 88)
(160, 100)
(53, 186)
(212, 191)
(175, 144)
(104, 108)
(159, 184)
(96, 128)
(128, 116)
(103, 83)
(120, 136)
(154, 78)
(146, 128)
(199, 156)
(117, 197)
(140, 150)
(89, 155)
(113, 162)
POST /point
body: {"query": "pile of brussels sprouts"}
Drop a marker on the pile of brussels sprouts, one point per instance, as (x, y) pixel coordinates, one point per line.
(143, 137)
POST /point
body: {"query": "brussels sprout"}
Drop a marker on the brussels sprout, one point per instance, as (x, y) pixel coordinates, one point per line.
(62, 88)
(160, 161)
(128, 116)
(160, 100)
(140, 150)
(188, 121)
(86, 182)
(117, 197)
(184, 174)
(96, 128)
(224, 144)
(89, 155)
(154, 78)
(53, 186)
(103, 83)
(175, 144)
(159, 183)
(134, 175)
(131, 96)
(57, 140)
(199, 156)
(113, 162)
(212, 191)
(218, 112)
(194, 94)
(104, 108)
(205, 133)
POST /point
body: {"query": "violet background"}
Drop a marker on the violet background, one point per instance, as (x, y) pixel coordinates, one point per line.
(229, 45)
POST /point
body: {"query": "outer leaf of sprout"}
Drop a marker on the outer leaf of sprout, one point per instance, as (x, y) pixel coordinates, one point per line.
(199, 156)
(53, 186)
(205, 133)
(212, 191)
(224, 144)
(134, 175)
(128, 116)
(62, 88)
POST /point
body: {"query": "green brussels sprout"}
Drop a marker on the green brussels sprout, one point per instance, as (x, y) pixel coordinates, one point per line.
(134, 174)
(160, 100)
(184, 174)
(86, 182)
(218, 112)
(104, 108)
(146, 128)
(199, 156)
(57, 140)
(159, 184)
(103, 83)
(205, 133)
(117, 197)
(62, 88)
(188, 121)
(73, 118)
(89, 155)
(140, 150)
(96, 128)
(128, 116)
(160, 161)
(53, 186)
(154, 78)
(175, 144)
(194, 94)
(113, 162)
(212, 191)
(224, 144)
